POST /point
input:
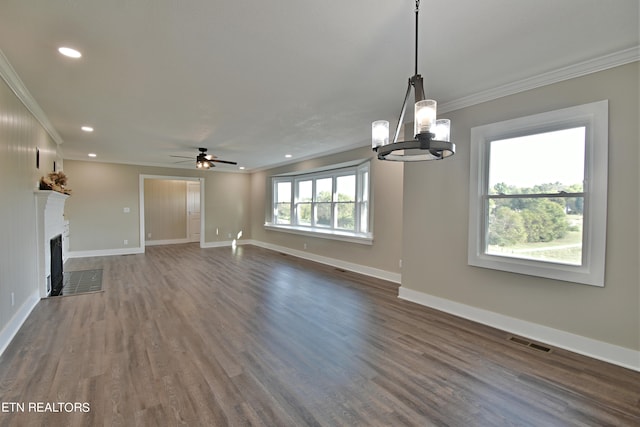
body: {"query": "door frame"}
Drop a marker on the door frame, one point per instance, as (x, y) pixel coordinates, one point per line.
(169, 178)
(199, 212)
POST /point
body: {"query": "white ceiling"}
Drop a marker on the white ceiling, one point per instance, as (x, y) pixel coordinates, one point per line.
(255, 80)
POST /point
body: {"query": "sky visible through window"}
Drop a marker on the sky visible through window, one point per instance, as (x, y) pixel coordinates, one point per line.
(542, 158)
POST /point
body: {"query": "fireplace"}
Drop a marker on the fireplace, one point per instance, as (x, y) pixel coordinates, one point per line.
(49, 227)
(57, 275)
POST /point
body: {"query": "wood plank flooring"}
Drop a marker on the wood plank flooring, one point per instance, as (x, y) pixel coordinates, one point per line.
(183, 336)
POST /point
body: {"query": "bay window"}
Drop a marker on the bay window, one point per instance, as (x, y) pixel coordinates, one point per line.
(332, 203)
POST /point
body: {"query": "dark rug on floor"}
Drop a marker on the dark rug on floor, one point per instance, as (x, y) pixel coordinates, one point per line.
(80, 282)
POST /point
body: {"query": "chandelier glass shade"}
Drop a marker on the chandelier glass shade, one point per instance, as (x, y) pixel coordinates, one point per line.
(430, 139)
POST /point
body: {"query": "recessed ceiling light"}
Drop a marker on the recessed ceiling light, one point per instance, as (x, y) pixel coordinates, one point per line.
(288, 156)
(87, 128)
(71, 53)
(93, 155)
(241, 168)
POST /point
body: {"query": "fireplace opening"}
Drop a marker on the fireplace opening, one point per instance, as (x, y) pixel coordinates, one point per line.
(57, 275)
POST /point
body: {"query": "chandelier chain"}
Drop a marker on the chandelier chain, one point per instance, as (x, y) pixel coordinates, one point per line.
(416, 45)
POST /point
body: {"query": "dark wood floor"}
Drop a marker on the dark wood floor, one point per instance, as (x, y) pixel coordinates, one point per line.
(209, 337)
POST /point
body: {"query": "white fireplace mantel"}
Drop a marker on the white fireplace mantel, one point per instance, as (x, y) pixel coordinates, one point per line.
(49, 223)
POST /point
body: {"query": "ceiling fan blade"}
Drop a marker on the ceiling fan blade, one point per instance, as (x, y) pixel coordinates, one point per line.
(224, 161)
(183, 161)
(204, 160)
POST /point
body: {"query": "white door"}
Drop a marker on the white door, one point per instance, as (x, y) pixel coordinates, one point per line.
(193, 211)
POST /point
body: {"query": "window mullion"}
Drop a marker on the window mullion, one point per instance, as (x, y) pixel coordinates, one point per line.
(358, 203)
(313, 202)
(292, 209)
(334, 207)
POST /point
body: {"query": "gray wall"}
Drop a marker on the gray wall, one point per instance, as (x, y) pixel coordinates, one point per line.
(436, 205)
(20, 134)
(102, 190)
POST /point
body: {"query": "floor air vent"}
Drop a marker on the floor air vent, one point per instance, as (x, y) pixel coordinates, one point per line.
(530, 344)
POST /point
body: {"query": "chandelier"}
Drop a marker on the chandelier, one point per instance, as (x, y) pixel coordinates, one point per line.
(430, 135)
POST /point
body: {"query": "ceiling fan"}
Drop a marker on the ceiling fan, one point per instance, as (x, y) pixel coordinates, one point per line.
(206, 161)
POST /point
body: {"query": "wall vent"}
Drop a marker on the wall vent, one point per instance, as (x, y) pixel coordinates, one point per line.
(530, 344)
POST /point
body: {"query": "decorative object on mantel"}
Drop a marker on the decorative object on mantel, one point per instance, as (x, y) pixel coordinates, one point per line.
(430, 136)
(55, 181)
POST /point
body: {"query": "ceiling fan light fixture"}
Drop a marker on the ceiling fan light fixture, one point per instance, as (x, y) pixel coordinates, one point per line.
(204, 160)
(431, 137)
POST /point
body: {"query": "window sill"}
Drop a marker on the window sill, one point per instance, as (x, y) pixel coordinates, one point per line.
(344, 236)
(538, 268)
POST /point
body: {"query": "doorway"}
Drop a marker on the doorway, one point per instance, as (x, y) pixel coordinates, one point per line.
(171, 210)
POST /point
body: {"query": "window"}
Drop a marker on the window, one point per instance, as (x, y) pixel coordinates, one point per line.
(282, 197)
(538, 194)
(332, 203)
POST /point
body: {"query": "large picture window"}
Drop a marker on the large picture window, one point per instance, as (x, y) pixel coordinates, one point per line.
(332, 203)
(538, 194)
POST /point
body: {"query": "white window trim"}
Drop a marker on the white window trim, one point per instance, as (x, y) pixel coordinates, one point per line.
(344, 236)
(365, 238)
(595, 117)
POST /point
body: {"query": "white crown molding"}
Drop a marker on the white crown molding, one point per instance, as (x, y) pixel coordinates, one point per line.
(602, 63)
(14, 82)
(600, 350)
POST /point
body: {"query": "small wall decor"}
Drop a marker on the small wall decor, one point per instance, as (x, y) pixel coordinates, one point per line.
(55, 181)
(37, 158)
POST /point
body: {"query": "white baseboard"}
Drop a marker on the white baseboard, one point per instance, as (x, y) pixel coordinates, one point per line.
(166, 242)
(610, 353)
(130, 251)
(356, 268)
(222, 243)
(105, 252)
(12, 328)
